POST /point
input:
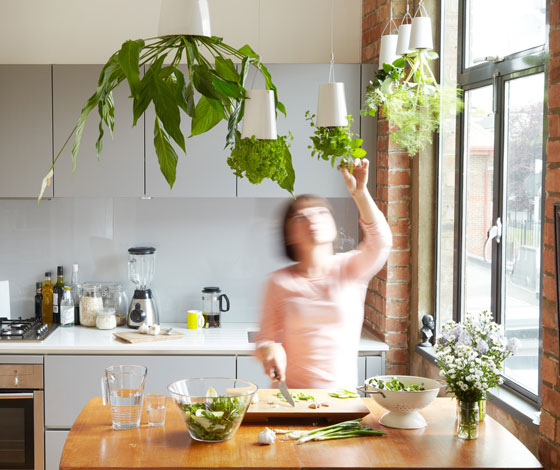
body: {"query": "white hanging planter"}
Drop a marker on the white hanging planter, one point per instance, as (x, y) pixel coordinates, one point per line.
(421, 33)
(331, 105)
(259, 118)
(388, 50)
(184, 17)
(404, 34)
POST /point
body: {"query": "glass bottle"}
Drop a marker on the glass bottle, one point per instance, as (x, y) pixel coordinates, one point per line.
(38, 300)
(467, 421)
(67, 308)
(76, 293)
(58, 290)
(47, 299)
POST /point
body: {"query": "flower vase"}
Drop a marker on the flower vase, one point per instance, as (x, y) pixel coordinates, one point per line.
(481, 409)
(467, 420)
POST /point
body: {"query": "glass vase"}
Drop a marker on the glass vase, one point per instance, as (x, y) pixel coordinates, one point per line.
(467, 422)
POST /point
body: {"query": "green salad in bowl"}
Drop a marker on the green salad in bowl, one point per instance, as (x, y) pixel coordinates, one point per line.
(213, 408)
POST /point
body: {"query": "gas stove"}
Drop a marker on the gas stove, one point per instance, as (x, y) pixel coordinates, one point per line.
(30, 329)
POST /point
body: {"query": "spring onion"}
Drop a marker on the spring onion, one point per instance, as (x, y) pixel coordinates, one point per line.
(300, 396)
(343, 393)
(342, 430)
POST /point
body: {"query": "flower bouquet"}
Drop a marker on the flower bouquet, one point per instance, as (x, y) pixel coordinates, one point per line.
(471, 356)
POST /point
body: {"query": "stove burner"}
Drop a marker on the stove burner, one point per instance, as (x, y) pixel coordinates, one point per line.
(31, 329)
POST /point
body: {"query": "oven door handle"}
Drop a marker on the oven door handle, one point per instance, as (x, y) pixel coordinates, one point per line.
(15, 395)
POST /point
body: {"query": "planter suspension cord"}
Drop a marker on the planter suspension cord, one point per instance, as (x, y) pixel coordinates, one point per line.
(258, 42)
(391, 21)
(407, 15)
(421, 9)
(331, 68)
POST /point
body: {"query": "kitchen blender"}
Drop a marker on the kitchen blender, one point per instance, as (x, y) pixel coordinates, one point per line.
(141, 261)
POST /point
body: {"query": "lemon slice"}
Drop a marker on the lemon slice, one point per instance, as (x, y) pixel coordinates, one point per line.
(211, 392)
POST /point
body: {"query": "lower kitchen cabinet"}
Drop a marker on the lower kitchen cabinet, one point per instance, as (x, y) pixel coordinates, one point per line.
(71, 381)
(54, 444)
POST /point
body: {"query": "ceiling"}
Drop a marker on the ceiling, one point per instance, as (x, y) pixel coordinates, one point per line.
(89, 31)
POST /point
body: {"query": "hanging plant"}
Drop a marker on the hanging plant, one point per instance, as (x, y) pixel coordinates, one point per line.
(220, 85)
(409, 96)
(257, 159)
(338, 143)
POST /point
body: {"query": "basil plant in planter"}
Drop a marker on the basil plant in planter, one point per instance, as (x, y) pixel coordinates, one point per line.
(221, 88)
(409, 96)
(337, 143)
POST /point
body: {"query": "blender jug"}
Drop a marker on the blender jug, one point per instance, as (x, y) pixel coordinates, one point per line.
(141, 262)
(212, 306)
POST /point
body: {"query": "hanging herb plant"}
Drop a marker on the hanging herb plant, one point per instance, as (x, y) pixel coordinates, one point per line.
(338, 144)
(256, 159)
(411, 99)
(220, 85)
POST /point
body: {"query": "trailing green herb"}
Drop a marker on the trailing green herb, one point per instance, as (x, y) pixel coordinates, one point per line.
(343, 393)
(395, 385)
(342, 430)
(257, 159)
(337, 144)
(216, 418)
(297, 396)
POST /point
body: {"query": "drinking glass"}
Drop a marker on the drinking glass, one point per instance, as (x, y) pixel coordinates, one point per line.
(155, 406)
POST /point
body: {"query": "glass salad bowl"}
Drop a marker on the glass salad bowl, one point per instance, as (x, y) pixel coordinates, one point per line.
(212, 407)
(403, 396)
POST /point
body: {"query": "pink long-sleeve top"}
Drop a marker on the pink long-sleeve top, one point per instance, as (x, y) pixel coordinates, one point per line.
(319, 320)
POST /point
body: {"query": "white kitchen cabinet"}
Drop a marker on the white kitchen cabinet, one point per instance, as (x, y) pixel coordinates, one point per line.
(375, 365)
(202, 172)
(54, 445)
(71, 381)
(120, 170)
(25, 129)
(298, 87)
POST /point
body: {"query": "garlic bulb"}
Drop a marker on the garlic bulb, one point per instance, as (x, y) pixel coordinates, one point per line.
(143, 328)
(267, 437)
(154, 330)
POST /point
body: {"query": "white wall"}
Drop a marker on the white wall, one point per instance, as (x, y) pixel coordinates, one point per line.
(89, 31)
(231, 243)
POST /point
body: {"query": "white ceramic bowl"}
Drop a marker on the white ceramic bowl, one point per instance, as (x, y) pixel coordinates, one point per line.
(403, 406)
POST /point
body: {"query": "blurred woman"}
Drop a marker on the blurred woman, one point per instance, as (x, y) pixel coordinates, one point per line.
(313, 309)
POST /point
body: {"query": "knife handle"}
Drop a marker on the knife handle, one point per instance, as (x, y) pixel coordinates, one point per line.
(276, 376)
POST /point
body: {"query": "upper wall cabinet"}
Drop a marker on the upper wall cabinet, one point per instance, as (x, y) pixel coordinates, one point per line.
(25, 129)
(202, 172)
(298, 87)
(120, 170)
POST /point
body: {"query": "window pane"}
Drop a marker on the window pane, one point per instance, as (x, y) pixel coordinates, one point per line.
(502, 28)
(522, 229)
(478, 196)
(447, 170)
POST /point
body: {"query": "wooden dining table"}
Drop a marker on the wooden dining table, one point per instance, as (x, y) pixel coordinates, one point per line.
(94, 444)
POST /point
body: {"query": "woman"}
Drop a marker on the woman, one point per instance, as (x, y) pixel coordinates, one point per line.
(313, 310)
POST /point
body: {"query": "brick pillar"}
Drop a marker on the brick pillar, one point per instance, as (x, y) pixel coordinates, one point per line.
(387, 303)
(549, 440)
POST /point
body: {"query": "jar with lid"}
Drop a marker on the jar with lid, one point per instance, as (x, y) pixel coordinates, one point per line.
(115, 297)
(67, 308)
(106, 319)
(90, 303)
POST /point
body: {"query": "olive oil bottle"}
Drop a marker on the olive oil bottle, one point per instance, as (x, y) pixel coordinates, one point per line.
(47, 299)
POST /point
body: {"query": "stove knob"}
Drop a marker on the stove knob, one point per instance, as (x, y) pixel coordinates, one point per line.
(16, 380)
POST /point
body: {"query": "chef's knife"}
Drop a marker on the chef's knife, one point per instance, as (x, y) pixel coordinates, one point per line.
(284, 389)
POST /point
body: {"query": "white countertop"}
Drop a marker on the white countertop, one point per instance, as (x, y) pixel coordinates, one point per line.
(231, 338)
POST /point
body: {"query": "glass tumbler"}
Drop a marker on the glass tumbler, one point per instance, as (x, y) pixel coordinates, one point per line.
(155, 406)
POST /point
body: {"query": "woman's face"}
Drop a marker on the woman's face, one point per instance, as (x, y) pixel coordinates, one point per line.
(310, 226)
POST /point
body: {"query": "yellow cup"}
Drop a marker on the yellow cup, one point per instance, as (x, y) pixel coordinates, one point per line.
(194, 319)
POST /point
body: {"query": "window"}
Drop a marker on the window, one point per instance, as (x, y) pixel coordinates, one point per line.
(490, 203)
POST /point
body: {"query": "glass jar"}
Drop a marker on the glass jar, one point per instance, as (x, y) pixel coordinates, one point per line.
(106, 319)
(67, 308)
(115, 297)
(467, 420)
(90, 303)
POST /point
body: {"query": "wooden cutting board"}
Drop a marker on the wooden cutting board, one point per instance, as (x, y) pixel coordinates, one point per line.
(134, 337)
(338, 410)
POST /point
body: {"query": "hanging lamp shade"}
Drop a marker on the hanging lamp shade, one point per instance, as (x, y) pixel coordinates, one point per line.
(388, 49)
(404, 39)
(190, 17)
(259, 118)
(331, 105)
(421, 33)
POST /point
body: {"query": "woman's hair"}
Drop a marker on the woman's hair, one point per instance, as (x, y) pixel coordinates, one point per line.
(304, 200)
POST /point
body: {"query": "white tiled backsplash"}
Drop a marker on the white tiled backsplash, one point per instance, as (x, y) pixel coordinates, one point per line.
(232, 243)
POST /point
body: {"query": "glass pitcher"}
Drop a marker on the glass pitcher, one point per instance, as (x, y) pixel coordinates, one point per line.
(213, 306)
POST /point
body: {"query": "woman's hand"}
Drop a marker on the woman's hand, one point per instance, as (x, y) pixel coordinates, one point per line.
(273, 357)
(356, 181)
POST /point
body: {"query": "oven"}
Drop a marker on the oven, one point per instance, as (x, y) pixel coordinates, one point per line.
(21, 413)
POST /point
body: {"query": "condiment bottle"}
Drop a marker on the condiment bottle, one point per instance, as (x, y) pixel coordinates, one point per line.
(67, 308)
(47, 299)
(39, 300)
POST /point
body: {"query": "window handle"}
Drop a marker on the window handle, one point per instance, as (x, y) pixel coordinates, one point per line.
(488, 58)
(493, 232)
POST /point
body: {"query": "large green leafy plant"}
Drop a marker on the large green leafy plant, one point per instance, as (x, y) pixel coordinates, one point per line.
(409, 96)
(337, 143)
(210, 71)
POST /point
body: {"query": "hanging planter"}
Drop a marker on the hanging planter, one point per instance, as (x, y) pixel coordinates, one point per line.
(331, 105)
(388, 47)
(258, 152)
(184, 17)
(421, 32)
(220, 86)
(403, 43)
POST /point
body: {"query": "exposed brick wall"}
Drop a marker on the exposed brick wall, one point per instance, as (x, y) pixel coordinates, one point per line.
(387, 306)
(549, 442)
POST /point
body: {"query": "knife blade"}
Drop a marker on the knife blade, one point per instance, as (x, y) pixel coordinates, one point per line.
(284, 389)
